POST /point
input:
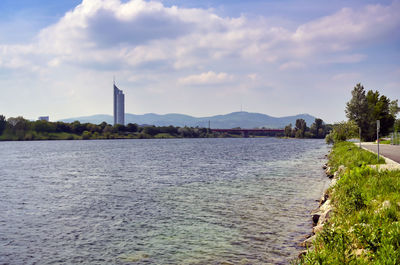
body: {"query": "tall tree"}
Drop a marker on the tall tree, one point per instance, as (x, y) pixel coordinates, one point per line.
(357, 109)
(366, 109)
(301, 127)
(318, 128)
(379, 107)
(394, 108)
(18, 126)
(288, 130)
(3, 124)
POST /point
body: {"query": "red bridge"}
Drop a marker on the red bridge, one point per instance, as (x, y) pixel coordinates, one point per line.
(246, 132)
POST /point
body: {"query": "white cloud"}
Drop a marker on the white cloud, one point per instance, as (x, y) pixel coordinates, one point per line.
(252, 76)
(292, 66)
(209, 78)
(99, 32)
(151, 46)
(348, 27)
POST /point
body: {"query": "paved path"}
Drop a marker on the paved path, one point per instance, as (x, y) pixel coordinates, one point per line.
(389, 151)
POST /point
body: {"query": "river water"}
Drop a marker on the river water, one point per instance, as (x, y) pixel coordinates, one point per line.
(178, 201)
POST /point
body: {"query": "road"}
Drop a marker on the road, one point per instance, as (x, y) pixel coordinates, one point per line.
(387, 150)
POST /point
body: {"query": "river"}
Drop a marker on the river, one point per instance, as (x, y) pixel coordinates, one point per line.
(171, 201)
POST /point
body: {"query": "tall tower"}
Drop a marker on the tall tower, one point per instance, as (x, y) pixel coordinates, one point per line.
(119, 106)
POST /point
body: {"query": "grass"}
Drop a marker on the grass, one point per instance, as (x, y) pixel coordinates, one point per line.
(364, 227)
(350, 155)
(163, 136)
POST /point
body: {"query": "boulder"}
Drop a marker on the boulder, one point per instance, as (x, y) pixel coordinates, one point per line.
(318, 228)
(324, 217)
(323, 198)
(333, 182)
(308, 242)
(326, 206)
(315, 218)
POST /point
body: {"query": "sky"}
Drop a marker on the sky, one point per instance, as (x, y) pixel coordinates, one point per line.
(201, 58)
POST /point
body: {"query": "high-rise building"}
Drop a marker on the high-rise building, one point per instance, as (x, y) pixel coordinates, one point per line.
(119, 106)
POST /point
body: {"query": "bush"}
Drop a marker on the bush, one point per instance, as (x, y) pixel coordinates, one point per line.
(342, 131)
(86, 135)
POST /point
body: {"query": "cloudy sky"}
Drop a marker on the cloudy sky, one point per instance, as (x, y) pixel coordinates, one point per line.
(278, 57)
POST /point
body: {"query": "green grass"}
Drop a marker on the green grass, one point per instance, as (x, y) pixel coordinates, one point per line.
(365, 225)
(350, 155)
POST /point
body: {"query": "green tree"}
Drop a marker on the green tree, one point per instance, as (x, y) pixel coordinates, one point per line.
(77, 127)
(103, 125)
(86, 135)
(18, 126)
(301, 127)
(151, 130)
(318, 128)
(119, 128)
(169, 129)
(3, 124)
(397, 125)
(108, 129)
(132, 127)
(63, 127)
(394, 108)
(342, 131)
(357, 109)
(288, 130)
(365, 109)
(379, 109)
(44, 126)
(93, 128)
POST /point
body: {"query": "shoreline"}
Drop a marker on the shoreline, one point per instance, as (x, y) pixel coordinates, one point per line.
(322, 213)
(362, 203)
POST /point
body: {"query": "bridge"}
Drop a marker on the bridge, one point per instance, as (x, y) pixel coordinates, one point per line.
(245, 132)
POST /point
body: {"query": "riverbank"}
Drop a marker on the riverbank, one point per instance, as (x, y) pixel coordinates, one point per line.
(358, 218)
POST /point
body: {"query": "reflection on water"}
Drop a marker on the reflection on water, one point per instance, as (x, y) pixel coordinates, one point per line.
(181, 201)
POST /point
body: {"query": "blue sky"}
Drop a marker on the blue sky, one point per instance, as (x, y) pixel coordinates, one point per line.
(200, 58)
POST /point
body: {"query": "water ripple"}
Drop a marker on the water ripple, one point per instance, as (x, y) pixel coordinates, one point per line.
(183, 201)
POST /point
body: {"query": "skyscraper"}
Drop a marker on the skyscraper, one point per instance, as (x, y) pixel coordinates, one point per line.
(119, 106)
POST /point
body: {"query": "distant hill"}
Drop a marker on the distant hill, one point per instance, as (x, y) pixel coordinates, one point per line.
(227, 121)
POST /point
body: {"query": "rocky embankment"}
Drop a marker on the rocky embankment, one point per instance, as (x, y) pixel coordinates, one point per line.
(324, 211)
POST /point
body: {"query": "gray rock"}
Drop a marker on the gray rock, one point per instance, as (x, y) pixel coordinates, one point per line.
(308, 242)
(324, 217)
(318, 228)
(323, 198)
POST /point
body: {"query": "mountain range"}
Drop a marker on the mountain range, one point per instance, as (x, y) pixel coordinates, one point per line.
(232, 120)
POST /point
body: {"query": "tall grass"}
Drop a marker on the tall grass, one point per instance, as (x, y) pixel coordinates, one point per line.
(364, 227)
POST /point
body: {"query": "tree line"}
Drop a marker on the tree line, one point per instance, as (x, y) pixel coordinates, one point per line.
(363, 111)
(317, 130)
(19, 128)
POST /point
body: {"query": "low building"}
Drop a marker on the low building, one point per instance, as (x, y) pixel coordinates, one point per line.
(43, 118)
